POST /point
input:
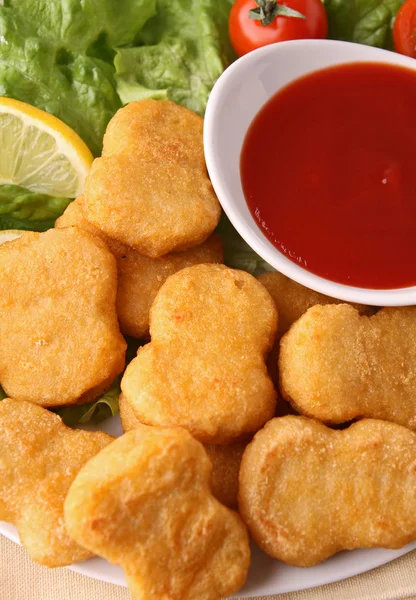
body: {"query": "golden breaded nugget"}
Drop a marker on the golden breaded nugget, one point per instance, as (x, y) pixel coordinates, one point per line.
(74, 216)
(140, 277)
(157, 130)
(336, 365)
(144, 503)
(225, 460)
(61, 341)
(307, 491)
(155, 207)
(211, 329)
(39, 458)
(293, 299)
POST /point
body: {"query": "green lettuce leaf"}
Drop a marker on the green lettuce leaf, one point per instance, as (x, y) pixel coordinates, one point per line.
(94, 412)
(78, 24)
(363, 21)
(179, 53)
(23, 209)
(237, 253)
(58, 56)
(3, 394)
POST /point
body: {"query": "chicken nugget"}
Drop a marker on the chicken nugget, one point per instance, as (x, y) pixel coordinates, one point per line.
(61, 342)
(155, 207)
(211, 329)
(293, 299)
(140, 277)
(39, 458)
(157, 130)
(144, 503)
(225, 459)
(307, 491)
(336, 365)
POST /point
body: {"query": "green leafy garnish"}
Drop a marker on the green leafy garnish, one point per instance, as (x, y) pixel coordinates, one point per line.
(179, 53)
(23, 209)
(93, 412)
(363, 21)
(237, 253)
(58, 56)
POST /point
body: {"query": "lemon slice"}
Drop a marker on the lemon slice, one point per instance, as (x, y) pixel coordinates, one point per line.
(39, 152)
(10, 234)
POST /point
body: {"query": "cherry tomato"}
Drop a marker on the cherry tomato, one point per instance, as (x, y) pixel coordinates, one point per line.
(404, 31)
(247, 34)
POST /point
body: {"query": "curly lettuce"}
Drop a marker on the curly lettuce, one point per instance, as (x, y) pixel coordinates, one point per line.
(179, 54)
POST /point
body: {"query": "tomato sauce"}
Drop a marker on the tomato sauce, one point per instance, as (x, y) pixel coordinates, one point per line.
(328, 170)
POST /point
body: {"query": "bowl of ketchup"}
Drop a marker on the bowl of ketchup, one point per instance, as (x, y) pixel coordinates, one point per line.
(311, 149)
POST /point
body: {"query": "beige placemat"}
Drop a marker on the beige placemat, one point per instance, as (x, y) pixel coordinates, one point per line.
(20, 579)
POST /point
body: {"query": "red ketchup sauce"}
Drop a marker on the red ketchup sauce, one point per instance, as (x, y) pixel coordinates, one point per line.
(328, 170)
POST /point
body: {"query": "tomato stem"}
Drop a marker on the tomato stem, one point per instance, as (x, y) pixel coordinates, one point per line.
(268, 10)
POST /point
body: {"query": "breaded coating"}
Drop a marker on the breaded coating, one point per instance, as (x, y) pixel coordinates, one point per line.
(155, 207)
(158, 130)
(61, 342)
(211, 329)
(293, 299)
(336, 365)
(144, 503)
(39, 458)
(74, 216)
(150, 189)
(140, 277)
(307, 491)
(225, 460)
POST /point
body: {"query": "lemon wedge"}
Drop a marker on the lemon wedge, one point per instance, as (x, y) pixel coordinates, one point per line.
(39, 152)
(8, 235)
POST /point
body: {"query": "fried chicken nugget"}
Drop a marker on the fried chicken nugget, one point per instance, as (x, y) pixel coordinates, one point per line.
(293, 299)
(211, 329)
(144, 503)
(155, 207)
(39, 458)
(225, 460)
(307, 491)
(157, 130)
(150, 189)
(61, 342)
(140, 277)
(336, 365)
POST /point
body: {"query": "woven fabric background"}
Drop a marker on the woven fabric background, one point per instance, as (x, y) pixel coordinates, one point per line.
(20, 579)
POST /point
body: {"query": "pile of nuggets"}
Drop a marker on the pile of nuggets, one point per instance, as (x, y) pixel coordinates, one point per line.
(205, 462)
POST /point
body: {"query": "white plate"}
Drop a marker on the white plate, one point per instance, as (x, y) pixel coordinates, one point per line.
(266, 576)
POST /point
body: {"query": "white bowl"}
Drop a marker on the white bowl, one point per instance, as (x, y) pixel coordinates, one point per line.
(235, 100)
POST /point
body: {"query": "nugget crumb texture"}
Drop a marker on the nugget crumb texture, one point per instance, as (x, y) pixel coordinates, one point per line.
(150, 189)
(141, 277)
(293, 299)
(307, 491)
(61, 342)
(144, 503)
(336, 365)
(211, 329)
(39, 458)
(225, 460)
